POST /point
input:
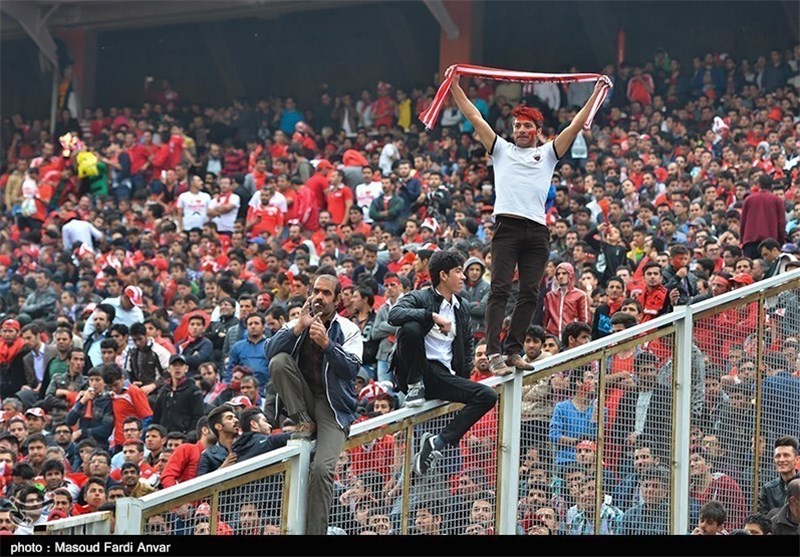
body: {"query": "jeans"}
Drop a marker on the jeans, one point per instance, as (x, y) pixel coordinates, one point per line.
(441, 383)
(517, 243)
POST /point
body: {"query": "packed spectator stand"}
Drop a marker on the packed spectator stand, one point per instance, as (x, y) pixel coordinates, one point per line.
(148, 254)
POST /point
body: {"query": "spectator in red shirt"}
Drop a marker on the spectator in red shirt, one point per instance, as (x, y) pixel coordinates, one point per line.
(763, 216)
(319, 182)
(127, 400)
(339, 197)
(182, 465)
(655, 299)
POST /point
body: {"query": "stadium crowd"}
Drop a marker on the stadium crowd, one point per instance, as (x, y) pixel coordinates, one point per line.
(148, 254)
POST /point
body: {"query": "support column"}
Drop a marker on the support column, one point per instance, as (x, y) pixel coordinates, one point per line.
(458, 48)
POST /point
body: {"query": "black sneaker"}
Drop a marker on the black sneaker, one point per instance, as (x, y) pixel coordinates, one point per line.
(415, 396)
(427, 456)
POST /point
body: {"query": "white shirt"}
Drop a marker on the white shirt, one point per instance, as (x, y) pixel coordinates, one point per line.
(439, 346)
(522, 179)
(389, 154)
(277, 199)
(81, 231)
(365, 194)
(225, 221)
(38, 362)
(194, 207)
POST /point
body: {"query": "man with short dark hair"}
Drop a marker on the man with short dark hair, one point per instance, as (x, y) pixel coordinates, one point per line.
(434, 354)
(713, 517)
(313, 363)
(196, 348)
(256, 438)
(773, 493)
(225, 426)
(250, 350)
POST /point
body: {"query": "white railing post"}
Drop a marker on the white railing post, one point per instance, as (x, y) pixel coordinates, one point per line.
(298, 488)
(508, 470)
(682, 410)
(129, 517)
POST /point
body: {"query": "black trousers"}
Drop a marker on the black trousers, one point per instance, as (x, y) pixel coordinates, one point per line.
(412, 366)
(517, 243)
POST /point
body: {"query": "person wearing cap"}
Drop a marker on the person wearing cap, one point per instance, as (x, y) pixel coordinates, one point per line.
(180, 402)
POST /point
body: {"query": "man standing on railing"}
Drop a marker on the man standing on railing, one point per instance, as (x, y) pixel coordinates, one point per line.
(523, 173)
(434, 354)
(314, 361)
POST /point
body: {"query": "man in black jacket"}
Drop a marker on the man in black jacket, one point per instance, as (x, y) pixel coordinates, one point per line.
(180, 402)
(433, 358)
(255, 438)
(773, 493)
(223, 422)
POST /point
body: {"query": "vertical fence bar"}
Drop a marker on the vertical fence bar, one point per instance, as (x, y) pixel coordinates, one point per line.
(407, 465)
(214, 524)
(510, 416)
(759, 385)
(681, 418)
(130, 521)
(298, 488)
(600, 417)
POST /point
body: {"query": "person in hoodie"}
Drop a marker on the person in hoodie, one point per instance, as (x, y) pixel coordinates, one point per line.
(566, 303)
(476, 294)
(256, 438)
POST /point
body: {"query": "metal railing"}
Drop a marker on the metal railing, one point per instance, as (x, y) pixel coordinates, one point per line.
(509, 473)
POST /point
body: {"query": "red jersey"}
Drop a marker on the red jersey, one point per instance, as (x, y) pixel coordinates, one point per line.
(337, 202)
(130, 402)
(655, 301)
(182, 465)
(267, 218)
(319, 185)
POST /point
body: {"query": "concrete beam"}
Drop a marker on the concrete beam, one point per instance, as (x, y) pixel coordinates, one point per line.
(439, 11)
(30, 19)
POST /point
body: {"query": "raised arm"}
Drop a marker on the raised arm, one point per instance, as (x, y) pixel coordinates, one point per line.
(566, 137)
(485, 132)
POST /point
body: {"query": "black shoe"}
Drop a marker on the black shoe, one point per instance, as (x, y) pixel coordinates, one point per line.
(415, 396)
(427, 456)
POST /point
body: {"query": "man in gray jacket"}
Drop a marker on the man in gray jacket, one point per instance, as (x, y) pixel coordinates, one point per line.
(381, 330)
(41, 303)
(476, 293)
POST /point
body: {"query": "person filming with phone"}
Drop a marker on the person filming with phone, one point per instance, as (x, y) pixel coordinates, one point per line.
(314, 361)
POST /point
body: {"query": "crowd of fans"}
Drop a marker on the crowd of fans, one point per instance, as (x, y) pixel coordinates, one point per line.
(149, 253)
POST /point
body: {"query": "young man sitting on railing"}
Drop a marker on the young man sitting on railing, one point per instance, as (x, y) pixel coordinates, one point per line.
(433, 358)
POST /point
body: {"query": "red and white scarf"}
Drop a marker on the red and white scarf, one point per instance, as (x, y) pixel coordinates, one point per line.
(430, 115)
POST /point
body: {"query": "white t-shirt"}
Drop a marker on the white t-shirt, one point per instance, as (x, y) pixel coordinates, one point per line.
(389, 154)
(225, 221)
(522, 179)
(277, 199)
(365, 194)
(194, 207)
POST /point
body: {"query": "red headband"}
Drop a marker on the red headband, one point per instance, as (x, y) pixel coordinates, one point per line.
(523, 112)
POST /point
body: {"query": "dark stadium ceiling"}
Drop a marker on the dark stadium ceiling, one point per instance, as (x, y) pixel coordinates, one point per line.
(131, 14)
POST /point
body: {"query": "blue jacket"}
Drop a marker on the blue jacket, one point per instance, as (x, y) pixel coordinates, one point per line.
(246, 353)
(568, 421)
(341, 362)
